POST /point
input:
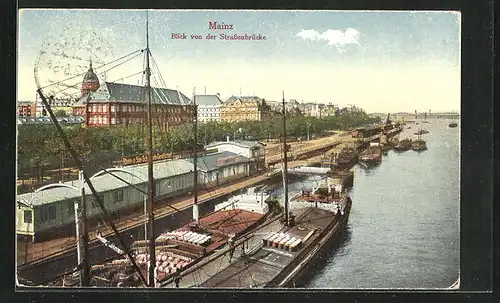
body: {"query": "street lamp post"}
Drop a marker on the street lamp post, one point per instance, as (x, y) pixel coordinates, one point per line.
(308, 125)
(80, 213)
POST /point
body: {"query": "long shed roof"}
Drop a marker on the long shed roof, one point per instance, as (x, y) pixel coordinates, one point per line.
(214, 161)
(134, 174)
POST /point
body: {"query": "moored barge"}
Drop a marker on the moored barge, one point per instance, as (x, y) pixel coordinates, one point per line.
(372, 155)
(181, 248)
(419, 145)
(346, 158)
(283, 258)
(403, 145)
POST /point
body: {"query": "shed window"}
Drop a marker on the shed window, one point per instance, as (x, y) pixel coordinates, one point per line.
(71, 208)
(52, 212)
(48, 213)
(118, 195)
(28, 216)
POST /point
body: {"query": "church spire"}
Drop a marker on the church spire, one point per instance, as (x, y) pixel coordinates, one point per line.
(90, 81)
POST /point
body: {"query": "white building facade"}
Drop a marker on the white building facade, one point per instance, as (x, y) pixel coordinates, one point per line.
(253, 150)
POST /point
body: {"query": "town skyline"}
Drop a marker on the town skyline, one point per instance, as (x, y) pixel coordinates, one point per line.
(359, 58)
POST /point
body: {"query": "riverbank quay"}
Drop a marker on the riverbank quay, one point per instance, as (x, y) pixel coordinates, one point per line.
(29, 254)
(38, 254)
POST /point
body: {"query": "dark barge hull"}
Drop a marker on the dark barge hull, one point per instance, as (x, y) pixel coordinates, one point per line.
(299, 270)
(272, 267)
(371, 162)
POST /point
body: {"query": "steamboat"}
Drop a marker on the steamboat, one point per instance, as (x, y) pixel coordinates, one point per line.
(346, 158)
(422, 132)
(372, 155)
(403, 145)
(419, 145)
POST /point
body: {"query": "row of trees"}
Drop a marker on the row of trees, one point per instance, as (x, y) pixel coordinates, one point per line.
(40, 145)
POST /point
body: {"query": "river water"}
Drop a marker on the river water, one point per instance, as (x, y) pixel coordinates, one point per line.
(403, 230)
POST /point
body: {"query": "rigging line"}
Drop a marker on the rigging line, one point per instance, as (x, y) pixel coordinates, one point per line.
(246, 269)
(161, 77)
(156, 89)
(79, 164)
(78, 83)
(158, 70)
(74, 270)
(161, 91)
(144, 70)
(126, 77)
(81, 74)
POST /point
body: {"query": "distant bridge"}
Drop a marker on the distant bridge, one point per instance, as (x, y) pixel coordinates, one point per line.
(411, 116)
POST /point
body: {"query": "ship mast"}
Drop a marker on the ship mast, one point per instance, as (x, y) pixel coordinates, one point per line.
(285, 165)
(195, 160)
(151, 186)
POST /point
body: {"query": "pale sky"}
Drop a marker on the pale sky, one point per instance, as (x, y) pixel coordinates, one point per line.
(380, 61)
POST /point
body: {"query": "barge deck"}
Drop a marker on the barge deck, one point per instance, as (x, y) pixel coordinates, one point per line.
(279, 261)
(181, 251)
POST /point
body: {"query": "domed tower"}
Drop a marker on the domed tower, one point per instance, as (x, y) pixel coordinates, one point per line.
(90, 82)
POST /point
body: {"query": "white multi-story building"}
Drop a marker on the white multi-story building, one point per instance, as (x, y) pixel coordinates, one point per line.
(253, 150)
(208, 108)
(56, 105)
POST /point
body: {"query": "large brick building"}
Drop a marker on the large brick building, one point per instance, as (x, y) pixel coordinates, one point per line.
(111, 103)
(26, 109)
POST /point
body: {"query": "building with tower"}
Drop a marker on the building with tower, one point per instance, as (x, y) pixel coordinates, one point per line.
(110, 103)
(90, 82)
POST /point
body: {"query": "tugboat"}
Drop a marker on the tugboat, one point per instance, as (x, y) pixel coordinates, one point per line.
(372, 155)
(421, 132)
(330, 196)
(403, 145)
(419, 145)
(385, 143)
(343, 177)
(346, 158)
(453, 124)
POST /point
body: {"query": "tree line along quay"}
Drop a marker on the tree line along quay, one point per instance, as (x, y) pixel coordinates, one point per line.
(40, 148)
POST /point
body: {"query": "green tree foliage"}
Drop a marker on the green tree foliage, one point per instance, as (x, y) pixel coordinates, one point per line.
(99, 146)
(61, 113)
